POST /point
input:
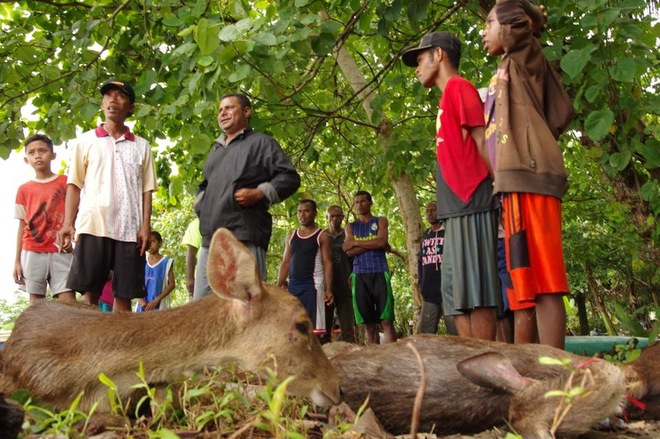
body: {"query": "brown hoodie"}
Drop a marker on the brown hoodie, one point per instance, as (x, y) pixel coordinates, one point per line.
(531, 109)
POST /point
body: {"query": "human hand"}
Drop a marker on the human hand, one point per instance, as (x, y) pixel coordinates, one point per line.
(143, 239)
(348, 244)
(64, 239)
(329, 298)
(151, 305)
(247, 197)
(18, 274)
(190, 285)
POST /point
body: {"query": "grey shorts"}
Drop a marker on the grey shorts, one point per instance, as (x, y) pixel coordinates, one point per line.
(470, 278)
(41, 269)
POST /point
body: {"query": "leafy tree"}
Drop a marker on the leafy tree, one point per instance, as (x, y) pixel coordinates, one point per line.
(326, 81)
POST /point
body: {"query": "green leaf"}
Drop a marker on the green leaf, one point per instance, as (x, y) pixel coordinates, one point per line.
(620, 160)
(265, 38)
(598, 123)
(206, 36)
(623, 70)
(607, 17)
(240, 73)
(173, 21)
(575, 61)
(205, 61)
(323, 44)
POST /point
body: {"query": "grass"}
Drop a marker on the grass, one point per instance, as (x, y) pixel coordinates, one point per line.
(223, 403)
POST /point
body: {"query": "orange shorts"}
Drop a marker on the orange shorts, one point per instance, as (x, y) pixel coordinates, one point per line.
(534, 255)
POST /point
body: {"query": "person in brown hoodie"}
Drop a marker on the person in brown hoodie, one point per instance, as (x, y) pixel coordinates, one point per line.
(526, 110)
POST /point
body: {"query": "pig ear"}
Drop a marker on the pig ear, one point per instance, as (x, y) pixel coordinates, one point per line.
(231, 269)
(494, 371)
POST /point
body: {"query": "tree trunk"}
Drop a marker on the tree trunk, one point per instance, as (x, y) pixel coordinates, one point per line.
(581, 304)
(403, 185)
(597, 299)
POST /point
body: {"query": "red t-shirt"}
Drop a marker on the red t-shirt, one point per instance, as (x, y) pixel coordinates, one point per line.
(40, 203)
(462, 167)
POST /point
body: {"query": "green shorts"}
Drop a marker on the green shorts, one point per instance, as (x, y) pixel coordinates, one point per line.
(373, 300)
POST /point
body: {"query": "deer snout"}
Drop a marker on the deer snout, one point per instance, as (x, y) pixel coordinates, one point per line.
(326, 395)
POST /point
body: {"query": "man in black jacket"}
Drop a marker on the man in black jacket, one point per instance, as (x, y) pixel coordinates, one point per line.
(244, 174)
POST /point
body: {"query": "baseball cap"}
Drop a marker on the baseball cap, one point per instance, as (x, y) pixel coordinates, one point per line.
(444, 40)
(121, 85)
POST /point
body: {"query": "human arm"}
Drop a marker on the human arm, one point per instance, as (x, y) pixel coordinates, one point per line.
(191, 266)
(169, 287)
(283, 272)
(66, 234)
(479, 136)
(18, 268)
(145, 229)
(279, 179)
(326, 255)
(355, 247)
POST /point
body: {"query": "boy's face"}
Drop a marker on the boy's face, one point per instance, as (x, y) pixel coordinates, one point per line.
(428, 66)
(362, 204)
(306, 214)
(38, 155)
(116, 105)
(154, 245)
(491, 35)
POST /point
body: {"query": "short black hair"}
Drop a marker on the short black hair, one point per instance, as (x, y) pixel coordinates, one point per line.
(242, 98)
(364, 193)
(39, 137)
(156, 235)
(308, 201)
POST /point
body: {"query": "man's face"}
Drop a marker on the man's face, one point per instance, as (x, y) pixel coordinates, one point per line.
(306, 214)
(335, 218)
(428, 66)
(431, 213)
(38, 155)
(233, 118)
(362, 205)
(116, 105)
(490, 36)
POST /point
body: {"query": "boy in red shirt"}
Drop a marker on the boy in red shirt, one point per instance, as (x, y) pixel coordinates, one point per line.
(40, 212)
(470, 283)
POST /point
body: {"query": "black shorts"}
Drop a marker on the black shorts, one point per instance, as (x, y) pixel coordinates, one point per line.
(373, 300)
(94, 257)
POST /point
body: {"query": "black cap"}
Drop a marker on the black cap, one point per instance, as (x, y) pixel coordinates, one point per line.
(444, 40)
(121, 85)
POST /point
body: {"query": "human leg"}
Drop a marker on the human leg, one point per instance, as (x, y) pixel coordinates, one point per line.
(344, 305)
(121, 304)
(91, 265)
(260, 257)
(389, 333)
(482, 323)
(35, 273)
(202, 287)
(128, 275)
(60, 265)
(430, 316)
(551, 319)
(524, 323)
(384, 304)
(371, 330)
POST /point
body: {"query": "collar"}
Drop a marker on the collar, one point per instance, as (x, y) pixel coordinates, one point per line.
(101, 132)
(220, 140)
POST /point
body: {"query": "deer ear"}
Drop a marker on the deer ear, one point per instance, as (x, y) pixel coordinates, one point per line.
(231, 268)
(494, 371)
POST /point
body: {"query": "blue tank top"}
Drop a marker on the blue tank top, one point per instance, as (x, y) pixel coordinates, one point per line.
(372, 261)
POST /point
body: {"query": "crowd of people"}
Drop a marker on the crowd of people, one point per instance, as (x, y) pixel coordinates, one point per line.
(490, 263)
